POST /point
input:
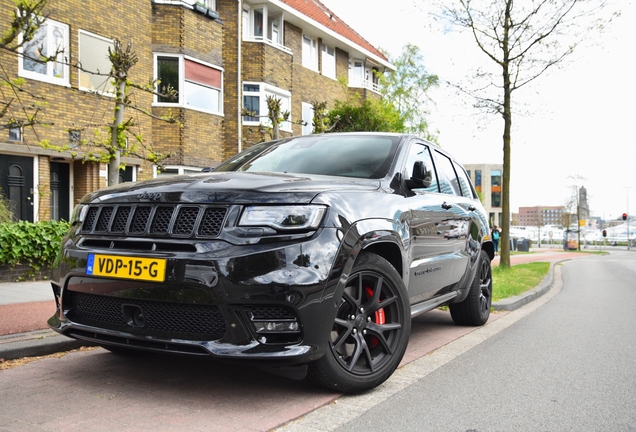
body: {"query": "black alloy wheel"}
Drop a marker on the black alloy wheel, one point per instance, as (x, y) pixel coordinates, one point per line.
(371, 329)
(475, 309)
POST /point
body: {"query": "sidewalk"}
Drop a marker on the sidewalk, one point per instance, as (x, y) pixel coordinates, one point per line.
(25, 308)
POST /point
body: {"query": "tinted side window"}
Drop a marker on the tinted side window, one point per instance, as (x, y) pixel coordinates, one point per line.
(448, 182)
(419, 152)
(467, 190)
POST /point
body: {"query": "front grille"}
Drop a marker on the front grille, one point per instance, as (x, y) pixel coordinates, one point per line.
(172, 319)
(183, 221)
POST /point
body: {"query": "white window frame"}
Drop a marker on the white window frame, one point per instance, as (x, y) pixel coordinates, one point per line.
(180, 170)
(15, 134)
(328, 61)
(308, 118)
(181, 100)
(272, 24)
(310, 52)
(362, 76)
(264, 91)
(210, 4)
(105, 88)
(356, 74)
(49, 26)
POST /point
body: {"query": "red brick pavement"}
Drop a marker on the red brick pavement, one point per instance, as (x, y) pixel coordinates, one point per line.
(25, 317)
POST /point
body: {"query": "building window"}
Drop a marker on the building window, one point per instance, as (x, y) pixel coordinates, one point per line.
(260, 26)
(15, 134)
(495, 178)
(95, 65)
(495, 188)
(328, 61)
(198, 85)
(495, 199)
(276, 35)
(363, 76)
(308, 118)
(252, 102)
(255, 101)
(356, 73)
(168, 76)
(74, 138)
(478, 180)
(51, 39)
(310, 53)
(210, 4)
(172, 170)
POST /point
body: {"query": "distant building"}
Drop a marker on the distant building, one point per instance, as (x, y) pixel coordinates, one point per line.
(540, 216)
(487, 181)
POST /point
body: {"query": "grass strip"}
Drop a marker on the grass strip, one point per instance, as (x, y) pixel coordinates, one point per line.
(517, 279)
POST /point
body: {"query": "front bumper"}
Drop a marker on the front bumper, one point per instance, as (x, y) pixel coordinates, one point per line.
(267, 302)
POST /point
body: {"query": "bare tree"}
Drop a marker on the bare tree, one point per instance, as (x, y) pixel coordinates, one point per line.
(523, 40)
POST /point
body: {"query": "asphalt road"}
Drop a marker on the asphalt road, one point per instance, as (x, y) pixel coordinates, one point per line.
(566, 362)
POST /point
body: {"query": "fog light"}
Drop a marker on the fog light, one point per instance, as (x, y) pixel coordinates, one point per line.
(276, 326)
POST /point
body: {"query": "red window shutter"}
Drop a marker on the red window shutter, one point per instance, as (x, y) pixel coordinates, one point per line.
(202, 74)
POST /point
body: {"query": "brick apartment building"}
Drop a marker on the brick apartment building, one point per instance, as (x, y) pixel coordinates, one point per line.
(220, 55)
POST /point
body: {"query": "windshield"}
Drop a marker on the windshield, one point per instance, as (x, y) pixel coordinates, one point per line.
(361, 156)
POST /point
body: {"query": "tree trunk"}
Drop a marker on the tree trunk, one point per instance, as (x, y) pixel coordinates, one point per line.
(507, 115)
(113, 165)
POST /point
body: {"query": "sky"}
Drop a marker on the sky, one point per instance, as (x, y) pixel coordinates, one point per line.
(576, 123)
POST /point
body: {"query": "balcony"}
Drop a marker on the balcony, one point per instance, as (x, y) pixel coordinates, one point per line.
(365, 84)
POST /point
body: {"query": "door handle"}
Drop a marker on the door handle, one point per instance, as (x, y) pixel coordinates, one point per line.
(472, 208)
(446, 205)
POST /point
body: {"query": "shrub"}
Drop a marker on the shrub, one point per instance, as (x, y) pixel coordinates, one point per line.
(34, 243)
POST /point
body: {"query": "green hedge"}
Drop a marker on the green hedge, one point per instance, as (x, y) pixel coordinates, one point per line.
(34, 243)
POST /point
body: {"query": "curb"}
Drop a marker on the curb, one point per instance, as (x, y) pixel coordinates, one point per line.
(35, 344)
(516, 302)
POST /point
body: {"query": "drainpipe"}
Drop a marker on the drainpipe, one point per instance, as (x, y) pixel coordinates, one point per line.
(239, 121)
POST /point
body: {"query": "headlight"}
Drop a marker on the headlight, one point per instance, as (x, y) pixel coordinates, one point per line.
(283, 218)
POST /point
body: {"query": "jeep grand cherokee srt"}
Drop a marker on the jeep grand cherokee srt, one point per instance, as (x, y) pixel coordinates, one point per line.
(308, 252)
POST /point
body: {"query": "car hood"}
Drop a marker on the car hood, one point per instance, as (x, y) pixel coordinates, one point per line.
(231, 188)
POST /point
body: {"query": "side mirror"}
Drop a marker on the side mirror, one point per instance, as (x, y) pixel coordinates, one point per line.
(421, 176)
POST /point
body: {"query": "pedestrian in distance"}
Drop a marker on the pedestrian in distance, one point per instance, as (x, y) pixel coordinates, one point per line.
(496, 233)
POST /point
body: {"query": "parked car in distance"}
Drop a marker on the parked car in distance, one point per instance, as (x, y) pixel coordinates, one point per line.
(310, 254)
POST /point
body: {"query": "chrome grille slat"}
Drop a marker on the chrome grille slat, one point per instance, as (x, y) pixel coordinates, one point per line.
(158, 221)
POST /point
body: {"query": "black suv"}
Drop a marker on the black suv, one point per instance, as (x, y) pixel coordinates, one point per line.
(310, 253)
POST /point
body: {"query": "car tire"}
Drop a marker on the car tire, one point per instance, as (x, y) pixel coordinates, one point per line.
(474, 310)
(370, 332)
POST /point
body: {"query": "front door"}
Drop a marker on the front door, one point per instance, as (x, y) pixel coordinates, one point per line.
(60, 191)
(16, 181)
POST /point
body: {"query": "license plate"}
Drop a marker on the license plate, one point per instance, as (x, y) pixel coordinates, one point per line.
(124, 267)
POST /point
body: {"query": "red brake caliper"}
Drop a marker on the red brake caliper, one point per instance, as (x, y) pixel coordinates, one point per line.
(378, 319)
